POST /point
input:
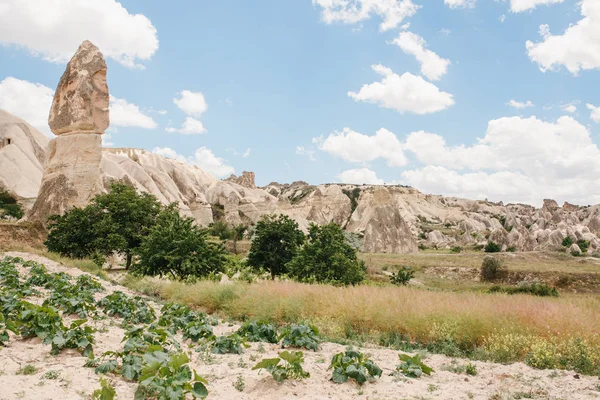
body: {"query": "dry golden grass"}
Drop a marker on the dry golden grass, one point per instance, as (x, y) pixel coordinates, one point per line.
(467, 317)
(526, 261)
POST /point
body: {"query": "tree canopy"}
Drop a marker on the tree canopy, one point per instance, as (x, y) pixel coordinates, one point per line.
(327, 257)
(277, 239)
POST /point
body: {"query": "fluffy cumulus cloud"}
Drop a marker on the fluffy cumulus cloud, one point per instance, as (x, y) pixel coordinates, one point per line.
(190, 126)
(460, 3)
(392, 12)
(595, 115)
(576, 49)
(191, 103)
(32, 102)
(519, 105)
(53, 29)
(360, 176)
(518, 159)
(204, 158)
(570, 108)
(525, 5)
(406, 92)
(27, 100)
(126, 114)
(432, 65)
(358, 148)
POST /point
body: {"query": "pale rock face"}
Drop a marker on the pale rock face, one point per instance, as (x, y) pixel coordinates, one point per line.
(22, 157)
(79, 116)
(246, 180)
(81, 99)
(574, 249)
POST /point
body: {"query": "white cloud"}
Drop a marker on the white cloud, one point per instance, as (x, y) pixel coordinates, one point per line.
(576, 49)
(204, 158)
(595, 115)
(247, 152)
(359, 176)
(525, 5)
(518, 160)
(191, 103)
(445, 31)
(402, 93)
(460, 3)
(519, 105)
(356, 147)
(190, 126)
(570, 108)
(392, 12)
(432, 65)
(301, 150)
(502, 18)
(53, 29)
(126, 114)
(27, 100)
(32, 102)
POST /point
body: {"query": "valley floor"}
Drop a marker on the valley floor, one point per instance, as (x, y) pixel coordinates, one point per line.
(72, 381)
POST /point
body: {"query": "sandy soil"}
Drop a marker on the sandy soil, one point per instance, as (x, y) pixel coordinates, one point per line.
(494, 381)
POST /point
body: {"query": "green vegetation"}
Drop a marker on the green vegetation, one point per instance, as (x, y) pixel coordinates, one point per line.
(133, 310)
(176, 247)
(9, 207)
(402, 276)
(413, 367)
(492, 269)
(115, 222)
(259, 331)
(300, 336)
(291, 368)
(327, 258)
(492, 247)
(567, 241)
(353, 365)
(106, 391)
(232, 344)
(536, 289)
(353, 195)
(276, 241)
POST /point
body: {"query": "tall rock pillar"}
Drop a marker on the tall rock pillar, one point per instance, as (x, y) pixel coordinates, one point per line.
(78, 117)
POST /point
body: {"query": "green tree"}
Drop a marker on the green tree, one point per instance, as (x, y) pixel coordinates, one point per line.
(114, 222)
(82, 232)
(327, 257)
(221, 230)
(131, 215)
(175, 246)
(276, 241)
(237, 233)
(9, 207)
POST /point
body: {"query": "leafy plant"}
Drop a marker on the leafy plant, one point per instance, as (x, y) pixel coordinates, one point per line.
(35, 321)
(169, 377)
(197, 330)
(353, 365)
(402, 276)
(177, 316)
(492, 247)
(9, 206)
(291, 368)
(567, 241)
(413, 367)
(88, 284)
(584, 245)
(456, 249)
(536, 289)
(106, 391)
(133, 310)
(300, 336)
(233, 344)
(471, 369)
(75, 336)
(72, 301)
(492, 269)
(239, 384)
(259, 331)
(52, 374)
(29, 369)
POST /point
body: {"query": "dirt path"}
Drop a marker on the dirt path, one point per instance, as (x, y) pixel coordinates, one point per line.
(73, 381)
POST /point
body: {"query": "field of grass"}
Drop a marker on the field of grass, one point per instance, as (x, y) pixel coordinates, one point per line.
(544, 332)
(525, 261)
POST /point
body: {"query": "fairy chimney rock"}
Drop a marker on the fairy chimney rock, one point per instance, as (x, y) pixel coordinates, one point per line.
(81, 99)
(79, 116)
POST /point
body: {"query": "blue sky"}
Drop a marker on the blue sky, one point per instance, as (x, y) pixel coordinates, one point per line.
(275, 78)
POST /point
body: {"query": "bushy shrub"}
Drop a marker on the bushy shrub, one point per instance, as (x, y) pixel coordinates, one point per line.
(9, 207)
(353, 365)
(584, 245)
(402, 276)
(290, 368)
(456, 249)
(492, 269)
(567, 241)
(327, 258)
(492, 247)
(536, 289)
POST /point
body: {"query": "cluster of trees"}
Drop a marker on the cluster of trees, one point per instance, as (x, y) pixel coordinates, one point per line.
(324, 255)
(157, 241)
(9, 207)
